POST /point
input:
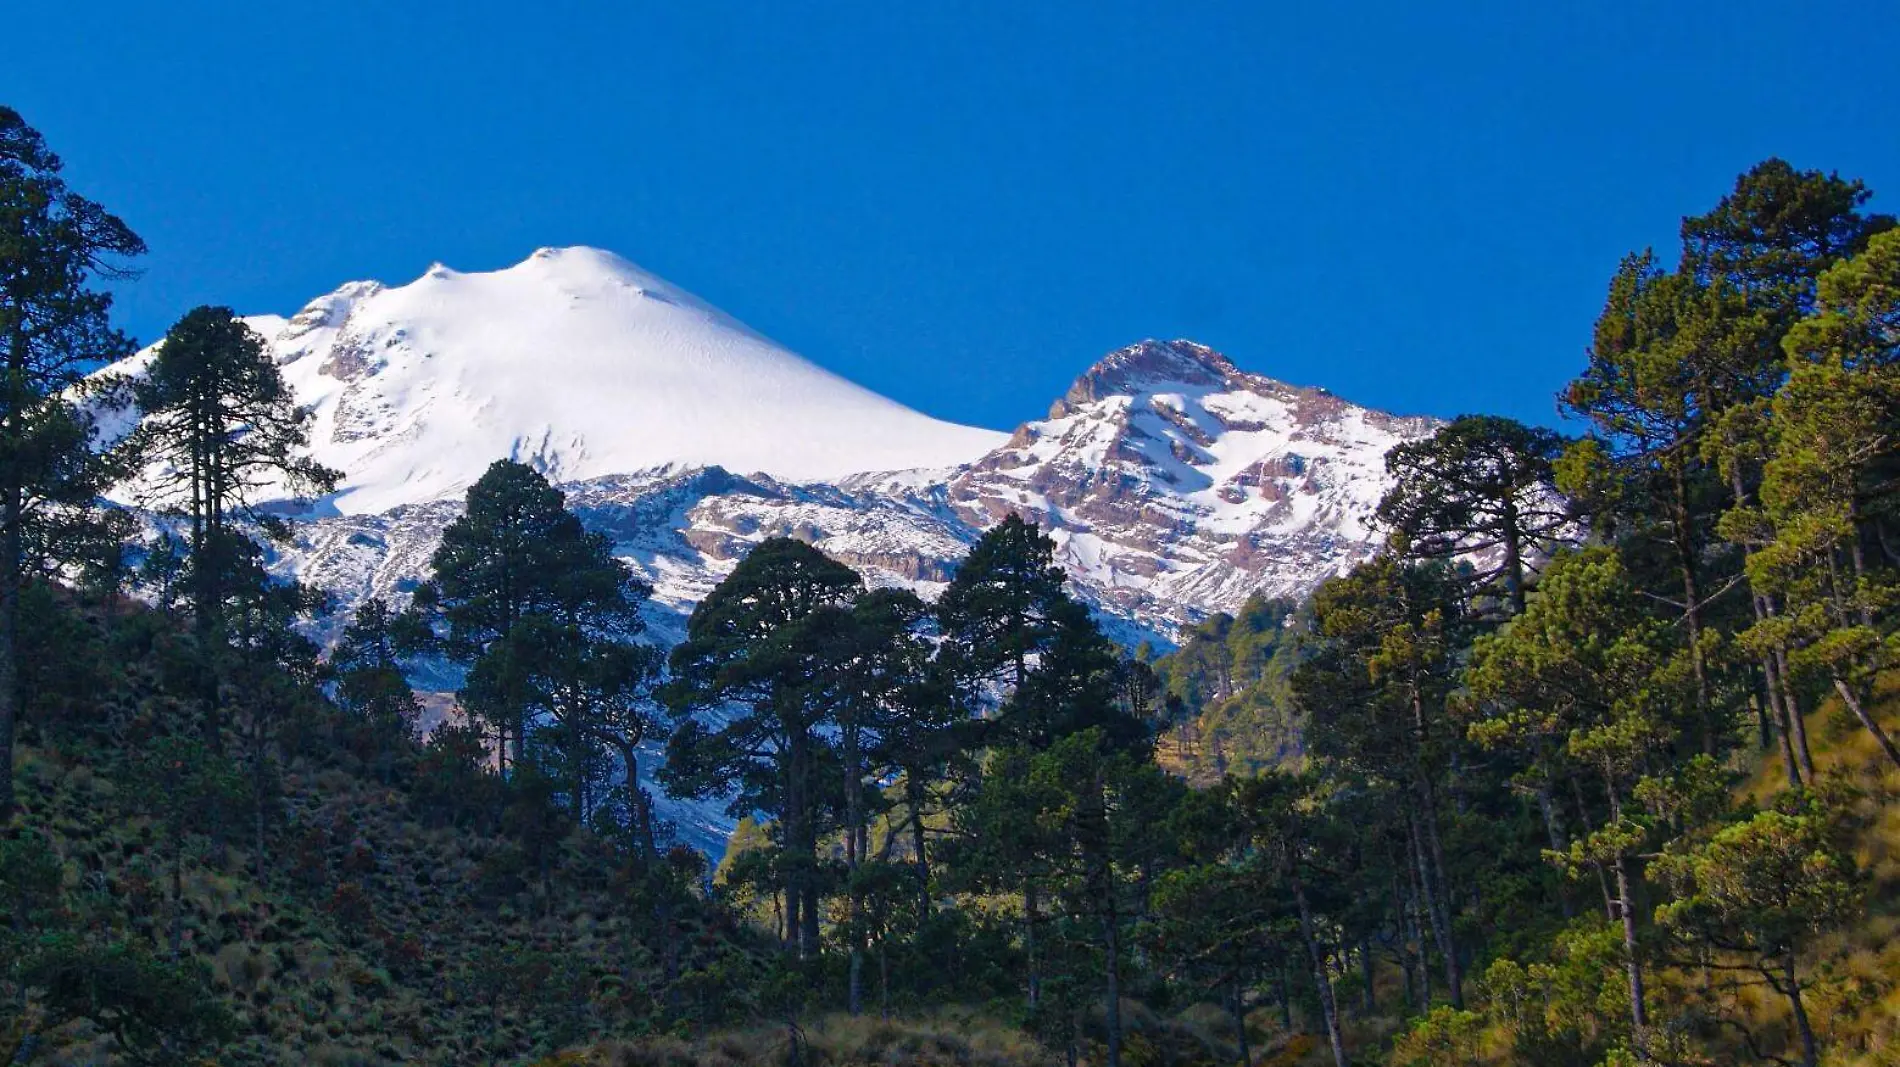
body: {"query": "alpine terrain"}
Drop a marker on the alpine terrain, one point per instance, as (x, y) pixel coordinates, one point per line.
(1175, 484)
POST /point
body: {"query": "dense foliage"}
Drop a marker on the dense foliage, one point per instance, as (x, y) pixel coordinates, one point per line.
(1553, 778)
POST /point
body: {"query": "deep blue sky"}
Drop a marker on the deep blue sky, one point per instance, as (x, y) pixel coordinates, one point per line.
(962, 204)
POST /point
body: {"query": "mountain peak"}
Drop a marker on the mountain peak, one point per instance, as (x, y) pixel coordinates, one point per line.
(583, 362)
(1144, 366)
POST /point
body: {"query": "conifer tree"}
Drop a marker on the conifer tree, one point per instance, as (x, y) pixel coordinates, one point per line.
(221, 433)
(1777, 231)
(1281, 814)
(761, 645)
(55, 245)
(1001, 610)
(1763, 888)
(1587, 662)
(1375, 692)
(1480, 484)
(517, 553)
(371, 685)
(1830, 491)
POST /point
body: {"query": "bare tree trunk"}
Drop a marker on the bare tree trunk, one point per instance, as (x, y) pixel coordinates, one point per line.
(1797, 723)
(1326, 1004)
(1513, 560)
(1691, 598)
(1029, 942)
(1435, 895)
(1626, 910)
(1810, 1053)
(914, 796)
(1417, 923)
(1859, 708)
(1771, 697)
(1239, 1011)
(853, 841)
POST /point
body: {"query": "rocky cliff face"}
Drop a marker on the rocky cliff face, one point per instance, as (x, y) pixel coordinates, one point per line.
(1179, 484)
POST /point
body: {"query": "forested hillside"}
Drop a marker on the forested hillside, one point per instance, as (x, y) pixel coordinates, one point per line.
(1592, 765)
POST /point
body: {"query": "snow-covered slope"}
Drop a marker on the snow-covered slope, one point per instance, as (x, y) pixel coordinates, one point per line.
(1175, 484)
(581, 363)
(1178, 484)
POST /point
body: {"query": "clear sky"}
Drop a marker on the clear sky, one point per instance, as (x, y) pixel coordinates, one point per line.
(962, 204)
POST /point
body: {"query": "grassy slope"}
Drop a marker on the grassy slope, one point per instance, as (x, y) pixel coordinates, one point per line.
(1855, 1006)
(402, 971)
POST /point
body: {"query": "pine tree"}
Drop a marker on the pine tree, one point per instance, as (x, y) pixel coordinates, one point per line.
(371, 686)
(517, 553)
(1830, 491)
(1003, 606)
(1587, 663)
(1282, 816)
(1650, 397)
(54, 245)
(1777, 231)
(891, 708)
(1763, 888)
(760, 645)
(1479, 485)
(221, 434)
(1375, 692)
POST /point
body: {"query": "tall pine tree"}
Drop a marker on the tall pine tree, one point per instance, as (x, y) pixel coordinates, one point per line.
(54, 325)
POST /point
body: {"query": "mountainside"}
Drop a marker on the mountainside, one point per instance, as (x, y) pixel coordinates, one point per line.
(577, 362)
(1175, 484)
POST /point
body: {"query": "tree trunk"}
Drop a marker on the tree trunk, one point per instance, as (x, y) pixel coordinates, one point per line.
(1286, 1001)
(1771, 696)
(1029, 942)
(1810, 1054)
(1112, 990)
(1513, 560)
(853, 840)
(1369, 1000)
(1691, 597)
(1796, 721)
(640, 811)
(1240, 1024)
(1626, 910)
(1603, 880)
(1416, 924)
(914, 796)
(1327, 1007)
(1859, 708)
(1554, 831)
(1437, 895)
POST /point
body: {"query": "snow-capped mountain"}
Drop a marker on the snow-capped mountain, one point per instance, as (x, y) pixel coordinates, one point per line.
(1179, 484)
(1175, 484)
(577, 362)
